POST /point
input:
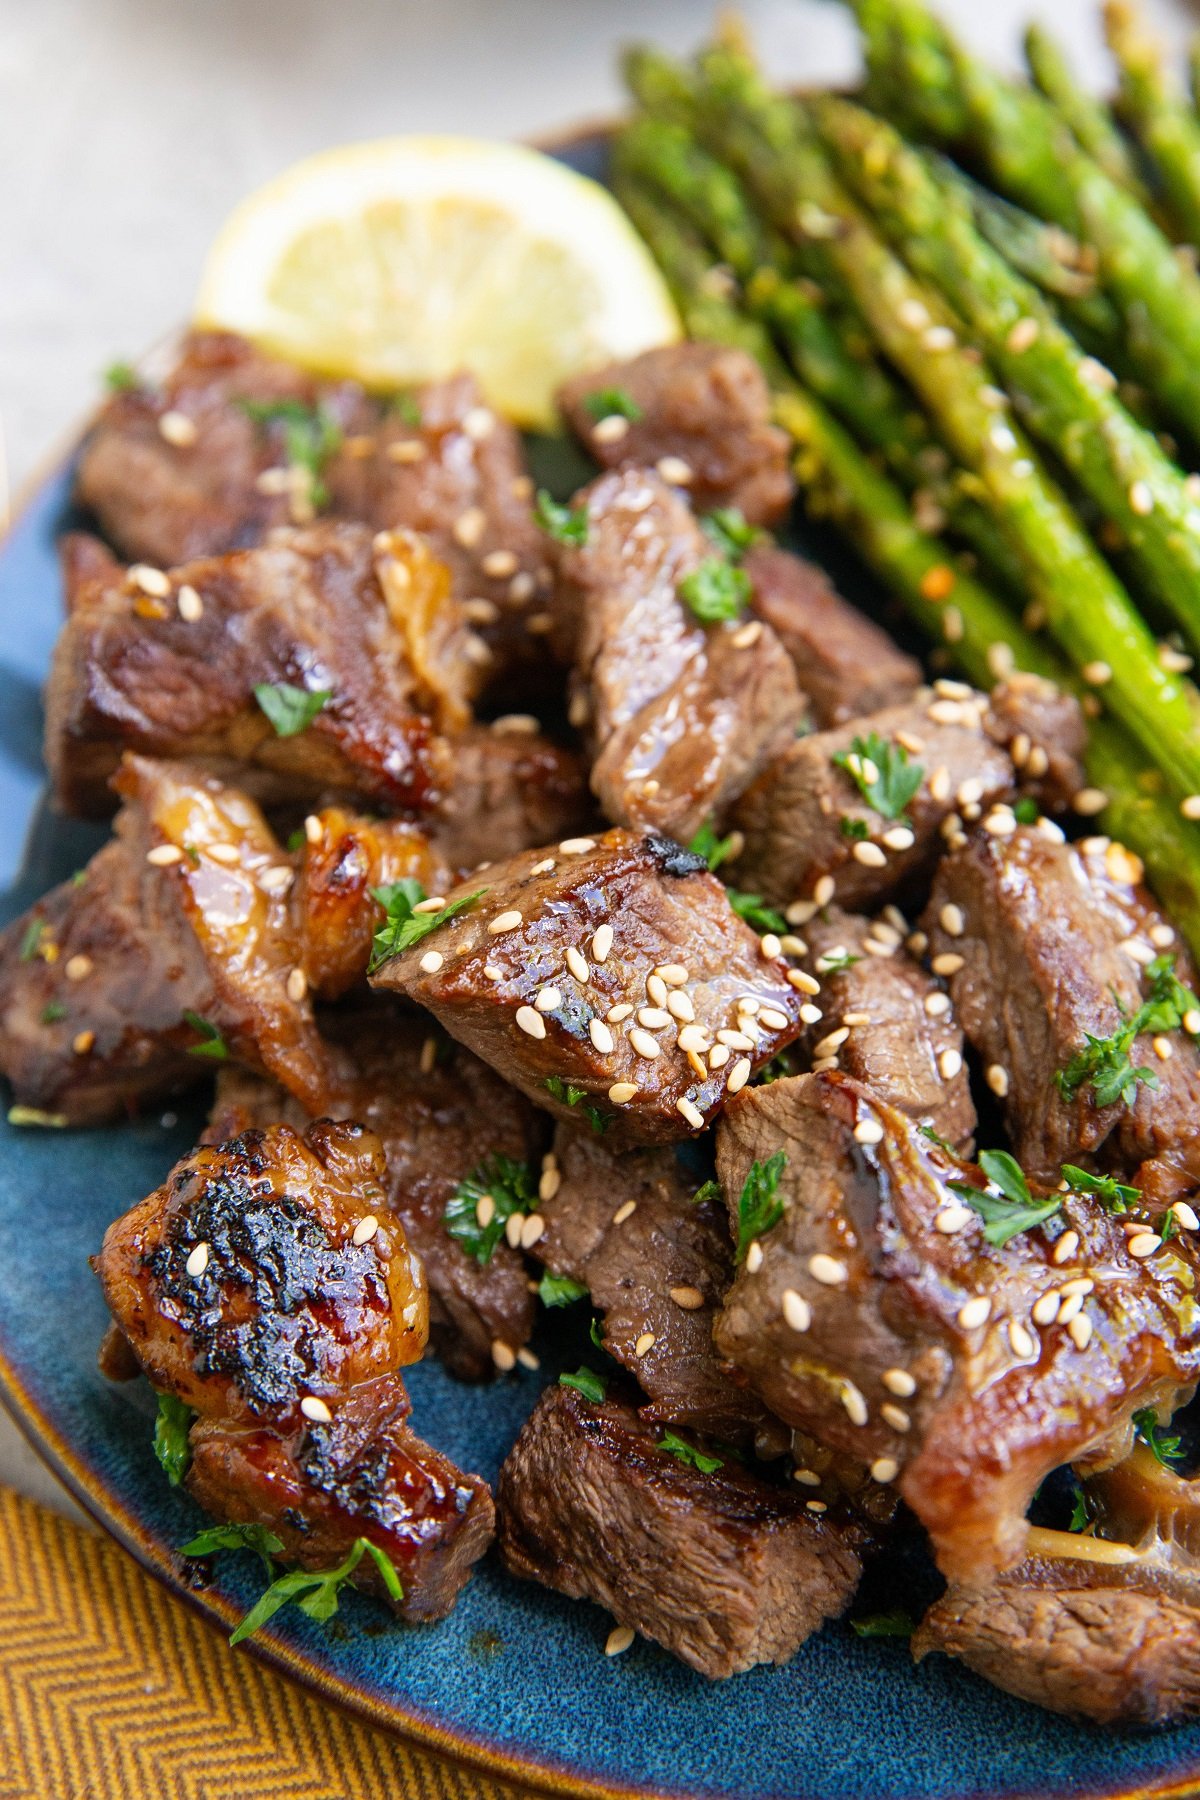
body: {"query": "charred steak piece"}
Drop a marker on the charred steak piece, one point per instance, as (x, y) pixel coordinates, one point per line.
(320, 1489)
(176, 664)
(242, 1290)
(207, 461)
(174, 949)
(441, 1115)
(883, 1020)
(1046, 946)
(610, 971)
(856, 813)
(700, 413)
(845, 663)
(720, 1568)
(874, 1315)
(681, 715)
(656, 1260)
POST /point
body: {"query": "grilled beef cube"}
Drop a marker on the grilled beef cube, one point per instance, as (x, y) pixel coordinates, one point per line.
(810, 833)
(511, 790)
(874, 1315)
(200, 464)
(845, 663)
(440, 1114)
(175, 948)
(719, 1567)
(84, 559)
(371, 1477)
(886, 1022)
(242, 1289)
(701, 413)
(1044, 732)
(1044, 947)
(612, 971)
(169, 665)
(656, 1261)
(343, 859)
(680, 716)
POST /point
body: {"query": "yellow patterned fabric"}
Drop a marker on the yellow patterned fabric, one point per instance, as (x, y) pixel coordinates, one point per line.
(112, 1690)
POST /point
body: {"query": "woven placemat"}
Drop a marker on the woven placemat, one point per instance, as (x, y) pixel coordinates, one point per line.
(112, 1690)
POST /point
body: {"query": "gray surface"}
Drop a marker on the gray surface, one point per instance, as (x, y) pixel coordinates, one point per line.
(129, 128)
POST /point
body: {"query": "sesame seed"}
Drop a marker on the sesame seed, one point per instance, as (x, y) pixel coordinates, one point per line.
(1141, 498)
(654, 1018)
(855, 1405)
(1019, 1338)
(936, 1004)
(1023, 335)
(832, 1042)
(656, 989)
(952, 1219)
(1045, 1308)
(189, 604)
(503, 1356)
(689, 1298)
(315, 1409)
(895, 1416)
(868, 1131)
(898, 837)
(277, 880)
(483, 612)
(643, 1044)
(365, 1230)
(1080, 1284)
(1080, 1329)
(754, 1258)
(225, 853)
(1161, 936)
(544, 867)
(974, 1313)
(548, 998)
(622, 1092)
(549, 1182)
(950, 1064)
(816, 1506)
(885, 1469)
(1163, 1048)
(406, 450)
(577, 965)
(177, 429)
(806, 1477)
(530, 1022)
(618, 1640)
(1190, 808)
(1096, 674)
(297, 983)
(996, 1077)
(1089, 801)
(823, 891)
(499, 564)
(747, 634)
(1191, 1022)
(827, 1270)
(739, 1075)
(952, 921)
(527, 1359)
(938, 337)
(870, 855)
(151, 581)
(899, 1382)
(1137, 951)
(163, 855)
(611, 429)
(674, 470)
(469, 527)
(806, 983)
(274, 481)
(479, 423)
(948, 963)
(78, 968)
(626, 1211)
(1185, 1216)
(602, 942)
(485, 1211)
(577, 846)
(797, 1313)
(1066, 1247)
(197, 1262)
(531, 1230)
(505, 921)
(493, 971)
(1145, 1243)
(314, 831)
(680, 1007)
(601, 1036)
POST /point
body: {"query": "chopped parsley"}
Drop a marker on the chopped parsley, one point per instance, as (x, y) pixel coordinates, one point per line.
(882, 773)
(211, 1044)
(716, 591)
(1166, 1446)
(560, 1290)
(895, 1623)
(52, 1012)
(121, 378)
(709, 1190)
(291, 710)
(775, 1070)
(758, 916)
(171, 1429)
(836, 962)
(715, 850)
(567, 1094)
(316, 1591)
(855, 828)
(728, 530)
(564, 524)
(1114, 1195)
(258, 1538)
(311, 435)
(1081, 1512)
(407, 409)
(592, 1386)
(1105, 1062)
(1014, 1209)
(511, 1188)
(402, 927)
(31, 939)
(935, 1137)
(595, 1332)
(689, 1455)
(613, 402)
(1027, 811)
(759, 1205)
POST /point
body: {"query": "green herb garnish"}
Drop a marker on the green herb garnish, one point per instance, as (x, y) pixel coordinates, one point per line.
(564, 525)
(407, 409)
(1167, 1447)
(894, 1624)
(836, 962)
(715, 850)
(709, 1190)
(856, 828)
(689, 1455)
(402, 927)
(211, 1044)
(1014, 1209)
(567, 1094)
(882, 773)
(171, 1429)
(590, 1385)
(316, 1591)
(1105, 1062)
(52, 1012)
(612, 402)
(1027, 811)
(716, 591)
(595, 1332)
(31, 937)
(727, 529)
(121, 377)
(1115, 1196)
(560, 1290)
(758, 916)
(258, 1538)
(512, 1189)
(935, 1137)
(311, 435)
(759, 1206)
(1081, 1512)
(291, 710)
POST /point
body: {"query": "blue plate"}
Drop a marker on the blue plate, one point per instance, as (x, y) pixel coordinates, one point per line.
(515, 1680)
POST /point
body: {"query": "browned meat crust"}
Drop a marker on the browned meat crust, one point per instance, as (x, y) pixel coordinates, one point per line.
(705, 413)
(722, 1569)
(511, 790)
(587, 929)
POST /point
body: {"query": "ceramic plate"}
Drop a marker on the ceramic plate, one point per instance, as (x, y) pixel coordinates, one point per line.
(516, 1679)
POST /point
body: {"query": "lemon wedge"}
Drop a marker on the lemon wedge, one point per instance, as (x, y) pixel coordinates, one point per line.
(409, 258)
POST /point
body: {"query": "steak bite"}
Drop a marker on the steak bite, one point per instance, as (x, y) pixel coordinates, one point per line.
(1046, 946)
(610, 969)
(700, 413)
(656, 1259)
(176, 664)
(681, 716)
(874, 1315)
(1044, 731)
(510, 789)
(719, 1567)
(845, 663)
(887, 1023)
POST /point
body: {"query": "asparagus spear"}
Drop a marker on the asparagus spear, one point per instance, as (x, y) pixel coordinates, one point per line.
(1028, 152)
(1158, 114)
(1089, 118)
(1065, 397)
